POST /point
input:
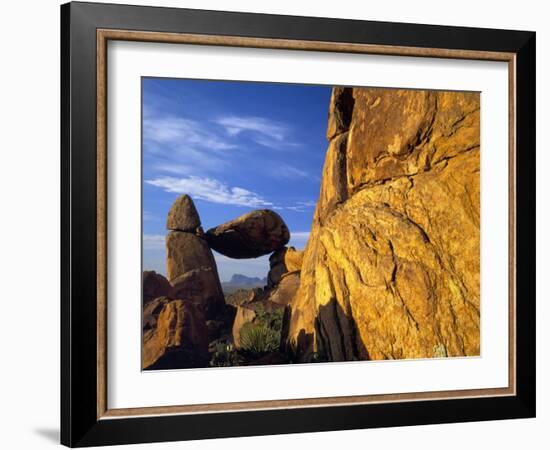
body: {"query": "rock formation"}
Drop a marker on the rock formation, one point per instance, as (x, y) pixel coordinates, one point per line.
(190, 265)
(251, 235)
(179, 338)
(220, 329)
(183, 215)
(286, 259)
(283, 292)
(185, 319)
(244, 314)
(391, 269)
(277, 267)
(154, 285)
(294, 259)
(151, 311)
(202, 287)
(242, 296)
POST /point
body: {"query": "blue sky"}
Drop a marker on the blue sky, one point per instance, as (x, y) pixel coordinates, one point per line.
(233, 147)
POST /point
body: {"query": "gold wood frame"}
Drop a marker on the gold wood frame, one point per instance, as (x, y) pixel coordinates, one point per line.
(103, 36)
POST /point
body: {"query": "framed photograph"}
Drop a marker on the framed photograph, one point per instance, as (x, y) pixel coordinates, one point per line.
(276, 224)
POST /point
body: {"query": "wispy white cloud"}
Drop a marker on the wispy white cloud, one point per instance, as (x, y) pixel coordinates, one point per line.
(216, 191)
(174, 168)
(210, 190)
(266, 132)
(191, 133)
(154, 241)
(289, 172)
(235, 125)
(183, 160)
(302, 206)
(148, 215)
(181, 146)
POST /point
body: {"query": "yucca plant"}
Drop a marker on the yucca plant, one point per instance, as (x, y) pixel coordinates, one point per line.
(259, 338)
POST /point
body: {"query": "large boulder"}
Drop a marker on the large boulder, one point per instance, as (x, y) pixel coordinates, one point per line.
(285, 290)
(277, 267)
(185, 252)
(183, 215)
(192, 271)
(243, 315)
(294, 259)
(284, 260)
(179, 340)
(154, 285)
(391, 269)
(251, 235)
(241, 296)
(151, 312)
(202, 287)
(283, 279)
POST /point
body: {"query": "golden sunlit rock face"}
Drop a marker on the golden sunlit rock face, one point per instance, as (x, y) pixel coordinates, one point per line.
(392, 267)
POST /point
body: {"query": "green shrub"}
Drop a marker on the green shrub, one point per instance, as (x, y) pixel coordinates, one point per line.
(258, 338)
(273, 319)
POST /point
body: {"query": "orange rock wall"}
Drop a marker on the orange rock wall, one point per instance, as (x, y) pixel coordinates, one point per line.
(391, 269)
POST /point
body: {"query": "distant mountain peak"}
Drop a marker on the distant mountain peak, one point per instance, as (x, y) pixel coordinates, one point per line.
(239, 278)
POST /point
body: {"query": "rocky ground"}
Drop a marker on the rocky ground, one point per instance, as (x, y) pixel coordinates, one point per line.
(391, 269)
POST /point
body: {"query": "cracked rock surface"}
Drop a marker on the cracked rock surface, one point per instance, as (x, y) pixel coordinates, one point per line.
(391, 269)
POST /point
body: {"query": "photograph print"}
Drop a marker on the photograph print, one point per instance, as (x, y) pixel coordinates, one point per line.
(288, 223)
